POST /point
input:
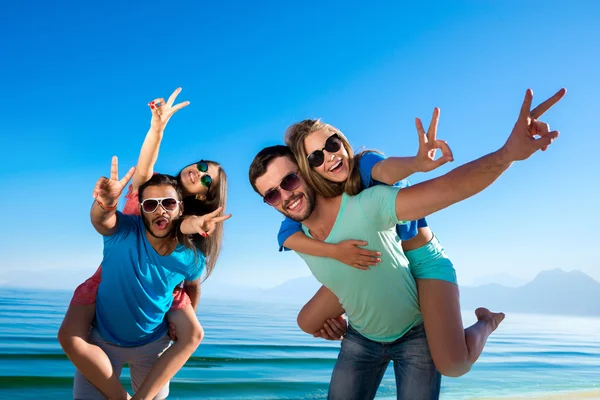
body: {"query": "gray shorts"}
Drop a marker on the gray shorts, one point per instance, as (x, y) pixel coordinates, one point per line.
(140, 360)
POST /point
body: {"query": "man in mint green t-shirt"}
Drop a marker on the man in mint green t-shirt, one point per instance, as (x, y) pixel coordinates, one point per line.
(381, 304)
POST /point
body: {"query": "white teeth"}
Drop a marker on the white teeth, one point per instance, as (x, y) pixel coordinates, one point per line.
(337, 164)
(294, 204)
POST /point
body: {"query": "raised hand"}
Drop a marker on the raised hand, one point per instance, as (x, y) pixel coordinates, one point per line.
(108, 190)
(205, 225)
(162, 111)
(349, 253)
(428, 145)
(530, 135)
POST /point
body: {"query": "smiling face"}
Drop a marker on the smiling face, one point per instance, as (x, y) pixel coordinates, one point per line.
(297, 203)
(335, 166)
(194, 181)
(159, 223)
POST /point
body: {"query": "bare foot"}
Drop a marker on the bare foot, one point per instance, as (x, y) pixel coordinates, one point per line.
(493, 319)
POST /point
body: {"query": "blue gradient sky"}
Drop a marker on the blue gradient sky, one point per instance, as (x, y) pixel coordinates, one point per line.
(76, 78)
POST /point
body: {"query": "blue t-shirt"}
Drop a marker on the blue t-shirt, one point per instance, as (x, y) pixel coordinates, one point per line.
(365, 167)
(137, 284)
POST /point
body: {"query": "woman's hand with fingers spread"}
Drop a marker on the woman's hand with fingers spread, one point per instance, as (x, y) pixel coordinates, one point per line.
(204, 225)
(429, 144)
(349, 253)
(163, 111)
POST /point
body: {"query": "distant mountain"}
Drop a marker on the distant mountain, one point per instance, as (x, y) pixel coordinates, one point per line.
(550, 292)
(504, 279)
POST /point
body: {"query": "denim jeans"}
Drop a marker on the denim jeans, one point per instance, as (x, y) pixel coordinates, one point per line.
(361, 365)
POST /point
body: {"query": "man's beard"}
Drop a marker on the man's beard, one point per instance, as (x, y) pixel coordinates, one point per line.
(309, 195)
(148, 225)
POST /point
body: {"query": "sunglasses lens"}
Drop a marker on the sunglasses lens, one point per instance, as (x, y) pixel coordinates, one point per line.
(273, 197)
(149, 205)
(290, 182)
(169, 204)
(316, 158)
(333, 144)
(206, 180)
(202, 166)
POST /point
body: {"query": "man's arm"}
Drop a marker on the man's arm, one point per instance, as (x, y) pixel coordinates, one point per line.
(465, 181)
(425, 198)
(106, 194)
(104, 217)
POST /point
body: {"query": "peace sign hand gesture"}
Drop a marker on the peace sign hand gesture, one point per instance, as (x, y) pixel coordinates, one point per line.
(530, 135)
(162, 112)
(205, 225)
(428, 144)
(108, 190)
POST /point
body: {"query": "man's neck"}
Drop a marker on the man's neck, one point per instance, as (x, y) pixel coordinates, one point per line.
(323, 217)
(163, 246)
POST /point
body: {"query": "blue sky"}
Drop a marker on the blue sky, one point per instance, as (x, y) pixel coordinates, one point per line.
(77, 76)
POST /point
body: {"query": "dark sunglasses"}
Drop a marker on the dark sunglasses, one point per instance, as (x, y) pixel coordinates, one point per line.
(206, 180)
(289, 182)
(317, 157)
(167, 203)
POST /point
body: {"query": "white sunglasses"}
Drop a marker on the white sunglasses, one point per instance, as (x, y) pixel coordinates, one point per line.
(167, 203)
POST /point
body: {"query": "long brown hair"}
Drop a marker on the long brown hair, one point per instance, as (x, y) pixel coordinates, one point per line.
(215, 198)
(294, 139)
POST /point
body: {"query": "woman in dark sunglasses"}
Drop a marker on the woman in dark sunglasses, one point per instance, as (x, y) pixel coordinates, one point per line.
(326, 160)
(204, 187)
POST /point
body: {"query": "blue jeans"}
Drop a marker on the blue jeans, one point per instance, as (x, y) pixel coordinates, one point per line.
(362, 362)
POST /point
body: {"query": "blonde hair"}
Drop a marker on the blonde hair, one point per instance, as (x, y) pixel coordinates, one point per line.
(294, 139)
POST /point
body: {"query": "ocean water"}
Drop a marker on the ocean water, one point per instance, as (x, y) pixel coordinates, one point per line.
(255, 351)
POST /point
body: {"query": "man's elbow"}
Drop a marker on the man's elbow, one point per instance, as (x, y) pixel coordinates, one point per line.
(306, 324)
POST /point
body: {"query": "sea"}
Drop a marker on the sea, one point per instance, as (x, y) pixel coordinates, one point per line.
(254, 350)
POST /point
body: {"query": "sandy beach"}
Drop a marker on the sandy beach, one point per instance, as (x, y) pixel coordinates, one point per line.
(594, 394)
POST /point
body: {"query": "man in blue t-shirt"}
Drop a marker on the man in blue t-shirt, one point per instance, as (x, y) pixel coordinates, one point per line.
(142, 262)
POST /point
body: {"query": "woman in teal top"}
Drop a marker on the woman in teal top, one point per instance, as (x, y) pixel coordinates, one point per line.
(328, 163)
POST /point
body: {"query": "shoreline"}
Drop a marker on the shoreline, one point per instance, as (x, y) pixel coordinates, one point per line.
(567, 395)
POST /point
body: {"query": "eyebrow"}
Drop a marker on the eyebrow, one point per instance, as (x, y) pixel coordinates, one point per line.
(297, 172)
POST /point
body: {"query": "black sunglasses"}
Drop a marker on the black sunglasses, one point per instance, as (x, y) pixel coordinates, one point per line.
(289, 182)
(206, 180)
(317, 157)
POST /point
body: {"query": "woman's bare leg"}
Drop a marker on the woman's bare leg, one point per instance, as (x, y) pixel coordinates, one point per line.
(453, 348)
(189, 336)
(89, 359)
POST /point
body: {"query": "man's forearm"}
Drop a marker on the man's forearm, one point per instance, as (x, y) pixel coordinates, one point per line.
(471, 178)
(459, 184)
(103, 217)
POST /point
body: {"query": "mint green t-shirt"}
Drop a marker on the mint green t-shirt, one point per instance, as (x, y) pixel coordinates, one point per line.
(382, 302)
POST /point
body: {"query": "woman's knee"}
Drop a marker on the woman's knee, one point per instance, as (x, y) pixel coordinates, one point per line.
(197, 334)
(454, 366)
